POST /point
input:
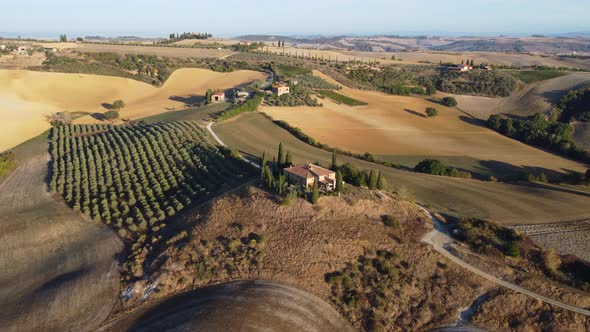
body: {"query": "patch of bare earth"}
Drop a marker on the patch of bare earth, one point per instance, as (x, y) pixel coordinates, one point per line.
(57, 270)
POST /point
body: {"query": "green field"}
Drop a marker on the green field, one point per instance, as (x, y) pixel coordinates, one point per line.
(509, 204)
(290, 71)
(532, 76)
(341, 98)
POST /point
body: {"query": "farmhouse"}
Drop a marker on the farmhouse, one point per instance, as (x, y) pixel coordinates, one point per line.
(305, 175)
(21, 50)
(280, 89)
(461, 68)
(218, 97)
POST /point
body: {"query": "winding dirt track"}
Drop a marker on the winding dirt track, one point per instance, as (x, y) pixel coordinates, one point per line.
(57, 270)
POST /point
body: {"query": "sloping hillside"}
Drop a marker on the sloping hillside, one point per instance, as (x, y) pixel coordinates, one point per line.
(533, 99)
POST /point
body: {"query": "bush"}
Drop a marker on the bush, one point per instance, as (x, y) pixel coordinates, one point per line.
(390, 221)
(431, 166)
(431, 112)
(449, 101)
(118, 104)
(111, 115)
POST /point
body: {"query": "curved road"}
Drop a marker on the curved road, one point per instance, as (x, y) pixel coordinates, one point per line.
(440, 240)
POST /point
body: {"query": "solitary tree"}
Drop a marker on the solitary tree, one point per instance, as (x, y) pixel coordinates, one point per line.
(449, 101)
(430, 89)
(118, 104)
(339, 181)
(315, 193)
(263, 162)
(111, 115)
(431, 112)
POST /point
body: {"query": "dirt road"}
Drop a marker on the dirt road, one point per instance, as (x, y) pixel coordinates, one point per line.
(58, 271)
(440, 241)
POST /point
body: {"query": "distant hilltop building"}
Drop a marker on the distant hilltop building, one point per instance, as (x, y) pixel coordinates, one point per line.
(305, 175)
(461, 68)
(280, 89)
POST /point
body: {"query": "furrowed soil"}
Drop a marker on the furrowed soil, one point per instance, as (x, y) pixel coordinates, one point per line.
(508, 204)
(58, 271)
(29, 96)
(397, 126)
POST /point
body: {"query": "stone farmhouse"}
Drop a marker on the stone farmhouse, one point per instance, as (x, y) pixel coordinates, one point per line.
(305, 175)
(280, 89)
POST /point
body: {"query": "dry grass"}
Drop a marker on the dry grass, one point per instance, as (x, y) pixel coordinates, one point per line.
(28, 96)
(172, 52)
(395, 125)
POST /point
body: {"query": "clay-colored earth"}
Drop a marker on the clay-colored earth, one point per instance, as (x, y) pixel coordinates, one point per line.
(396, 125)
(27, 96)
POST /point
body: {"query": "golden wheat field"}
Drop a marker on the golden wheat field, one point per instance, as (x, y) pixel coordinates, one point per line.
(28, 96)
(396, 125)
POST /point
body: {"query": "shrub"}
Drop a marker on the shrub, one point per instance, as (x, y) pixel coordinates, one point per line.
(449, 101)
(390, 221)
(111, 115)
(431, 112)
(118, 104)
(431, 166)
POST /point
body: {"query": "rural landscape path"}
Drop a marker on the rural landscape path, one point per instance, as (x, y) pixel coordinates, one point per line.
(440, 241)
(228, 55)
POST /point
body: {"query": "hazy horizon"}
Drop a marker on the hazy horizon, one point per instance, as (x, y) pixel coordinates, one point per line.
(154, 18)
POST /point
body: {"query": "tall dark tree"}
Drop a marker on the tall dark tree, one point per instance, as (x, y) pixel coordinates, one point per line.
(380, 181)
(263, 162)
(372, 180)
(339, 181)
(289, 159)
(334, 165)
(281, 157)
(315, 193)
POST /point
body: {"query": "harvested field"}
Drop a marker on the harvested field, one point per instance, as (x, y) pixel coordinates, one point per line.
(59, 271)
(172, 52)
(417, 57)
(533, 99)
(28, 96)
(581, 134)
(396, 125)
(566, 238)
(508, 204)
(13, 61)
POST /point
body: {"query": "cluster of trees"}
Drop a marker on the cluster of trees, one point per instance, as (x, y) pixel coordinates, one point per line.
(437, 167)
(392, 80)
(540, 131)
(488, 238)
(59, 118)
(244, 47)
(134, 177)
(481, 82)
(449, 101)
(189, 35)
(575, 106)
(7, 163)
(271, 175)
(63, 38)
(116, 107)
(300, 97)
(250, 105)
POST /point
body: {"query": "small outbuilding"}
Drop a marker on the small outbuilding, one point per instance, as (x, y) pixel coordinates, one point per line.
(218, 97)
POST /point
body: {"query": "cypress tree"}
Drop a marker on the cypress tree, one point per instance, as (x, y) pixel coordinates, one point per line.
(339, 181)
(263, 162)
(289, 159)
(380, 181)
(315, 193)
(334, 165)
(281, 157)
(372, 180)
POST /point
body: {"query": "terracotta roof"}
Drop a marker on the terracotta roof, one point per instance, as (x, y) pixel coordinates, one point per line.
(219, 93)
(308, 171)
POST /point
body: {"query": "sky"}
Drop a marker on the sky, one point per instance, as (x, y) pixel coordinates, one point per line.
(225, 18)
